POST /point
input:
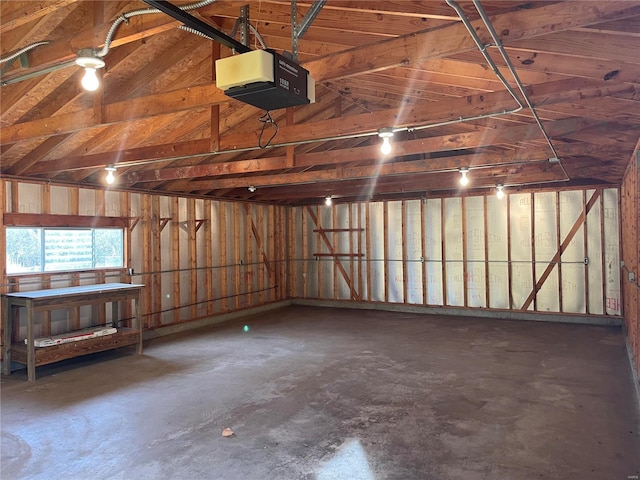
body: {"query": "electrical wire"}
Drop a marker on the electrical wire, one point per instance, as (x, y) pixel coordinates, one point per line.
(516, 77)
(124, 18)
(267, 119)
(16, 54)
(253, 29)
(211, 300)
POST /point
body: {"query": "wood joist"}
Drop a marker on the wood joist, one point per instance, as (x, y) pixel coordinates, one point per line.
(383, 64)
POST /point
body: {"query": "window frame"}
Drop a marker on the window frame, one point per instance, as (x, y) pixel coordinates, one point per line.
(71, 222)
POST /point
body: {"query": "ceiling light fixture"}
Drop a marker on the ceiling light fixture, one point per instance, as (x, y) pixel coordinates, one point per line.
(500, 191)
(110, 178)
(89, 60)
(464, 180)
(385, 134)
(252, 189)
(327, 201)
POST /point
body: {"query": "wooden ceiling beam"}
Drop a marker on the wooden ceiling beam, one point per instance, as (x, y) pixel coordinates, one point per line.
(395, 169)
(370, 188)
(15, 14)
(527, 62)
(173, 150)
(466, 107)
(414, 116)
(453, 39)
(351, 155)
(129, 110)
(588, 45)
(383, 55)
(431, 10)
(330, 21)
(27, 161)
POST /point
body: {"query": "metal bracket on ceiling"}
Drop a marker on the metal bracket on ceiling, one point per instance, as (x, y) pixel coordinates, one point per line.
(24, 60)
(244, 25)
(299, 29)
(198, 25)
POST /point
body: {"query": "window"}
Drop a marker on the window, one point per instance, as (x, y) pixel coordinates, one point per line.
(61, 249)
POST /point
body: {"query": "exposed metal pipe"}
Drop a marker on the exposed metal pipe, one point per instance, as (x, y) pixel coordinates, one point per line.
(101, 53)
(463, 119)
(253, 29)
(305, 142)
(483, 49)
(197, 24)
(516, 77)
(25, 49)
(142, 11)
(36, 73)
(258, 36)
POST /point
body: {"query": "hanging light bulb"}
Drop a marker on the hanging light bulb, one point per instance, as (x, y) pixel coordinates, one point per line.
(385, 134)
(110, 178)
(464, 180)
(327, 201)
(90, 80)
(88, 59)
(500, 191)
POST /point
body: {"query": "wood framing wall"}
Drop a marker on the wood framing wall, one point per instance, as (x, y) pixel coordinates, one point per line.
(197, 258)
(543, 251)
(630, 194)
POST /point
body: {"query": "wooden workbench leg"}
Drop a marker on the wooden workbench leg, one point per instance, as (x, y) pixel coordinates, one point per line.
(115, 321)
(31, 349)
(139, 323)
(7, 337)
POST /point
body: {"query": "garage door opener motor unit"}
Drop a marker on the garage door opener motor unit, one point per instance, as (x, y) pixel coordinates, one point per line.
(265, 79)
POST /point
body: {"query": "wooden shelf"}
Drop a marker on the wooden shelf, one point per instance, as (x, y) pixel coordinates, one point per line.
(55, 353)
(65, 298)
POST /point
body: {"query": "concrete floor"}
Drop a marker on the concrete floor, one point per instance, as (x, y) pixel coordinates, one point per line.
(319, 393)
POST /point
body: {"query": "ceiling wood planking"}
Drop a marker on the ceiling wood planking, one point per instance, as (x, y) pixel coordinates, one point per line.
(377, 64)
(170, 65)
(222, 96)
(582, 44)
(583, 94)
(371, 153)
(331, 21)
(413, 116)
(627, 26)
(35, 155)
(16, 14)
(454, 39)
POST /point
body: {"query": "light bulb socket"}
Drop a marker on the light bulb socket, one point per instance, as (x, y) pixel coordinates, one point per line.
(327, 201)
(252, 189)
(385, 132)
(88, 58)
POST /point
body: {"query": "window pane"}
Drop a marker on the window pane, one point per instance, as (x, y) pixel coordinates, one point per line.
(23, 250)
(109, 247)
(67, 249)
(63, 249)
